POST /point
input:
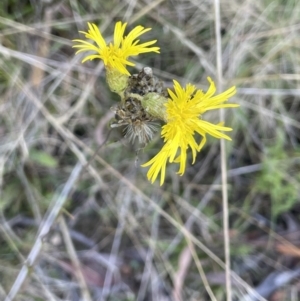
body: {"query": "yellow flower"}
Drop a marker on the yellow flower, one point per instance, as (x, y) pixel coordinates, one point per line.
(114, 55)
(184, 109)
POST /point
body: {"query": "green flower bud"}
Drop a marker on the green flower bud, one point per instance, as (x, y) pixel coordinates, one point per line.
(116, 81)
(154, 104)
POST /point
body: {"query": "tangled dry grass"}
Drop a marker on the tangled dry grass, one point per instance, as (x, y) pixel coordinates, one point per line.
(78, 218)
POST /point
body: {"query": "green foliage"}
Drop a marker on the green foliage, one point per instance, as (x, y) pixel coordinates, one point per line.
(14, 9)
(241, 249)
(276, 178)
(10, 195)
(42, 158)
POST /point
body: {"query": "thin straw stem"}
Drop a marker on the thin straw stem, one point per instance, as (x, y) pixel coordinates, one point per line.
(223, 155)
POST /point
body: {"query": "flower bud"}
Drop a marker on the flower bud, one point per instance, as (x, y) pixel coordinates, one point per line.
(154, 104)
(116, 81)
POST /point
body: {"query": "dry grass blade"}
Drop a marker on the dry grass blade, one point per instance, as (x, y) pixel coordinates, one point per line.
(46, 224)
(73, 256)
(223, 155)
(185, 260)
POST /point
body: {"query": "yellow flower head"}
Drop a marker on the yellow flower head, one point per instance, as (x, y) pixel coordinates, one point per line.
(114, 55)
(184, 109)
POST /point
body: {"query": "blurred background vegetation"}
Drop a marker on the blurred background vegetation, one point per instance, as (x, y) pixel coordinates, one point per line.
(134, 240)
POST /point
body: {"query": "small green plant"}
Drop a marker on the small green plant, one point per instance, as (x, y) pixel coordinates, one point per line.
(278, 179)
